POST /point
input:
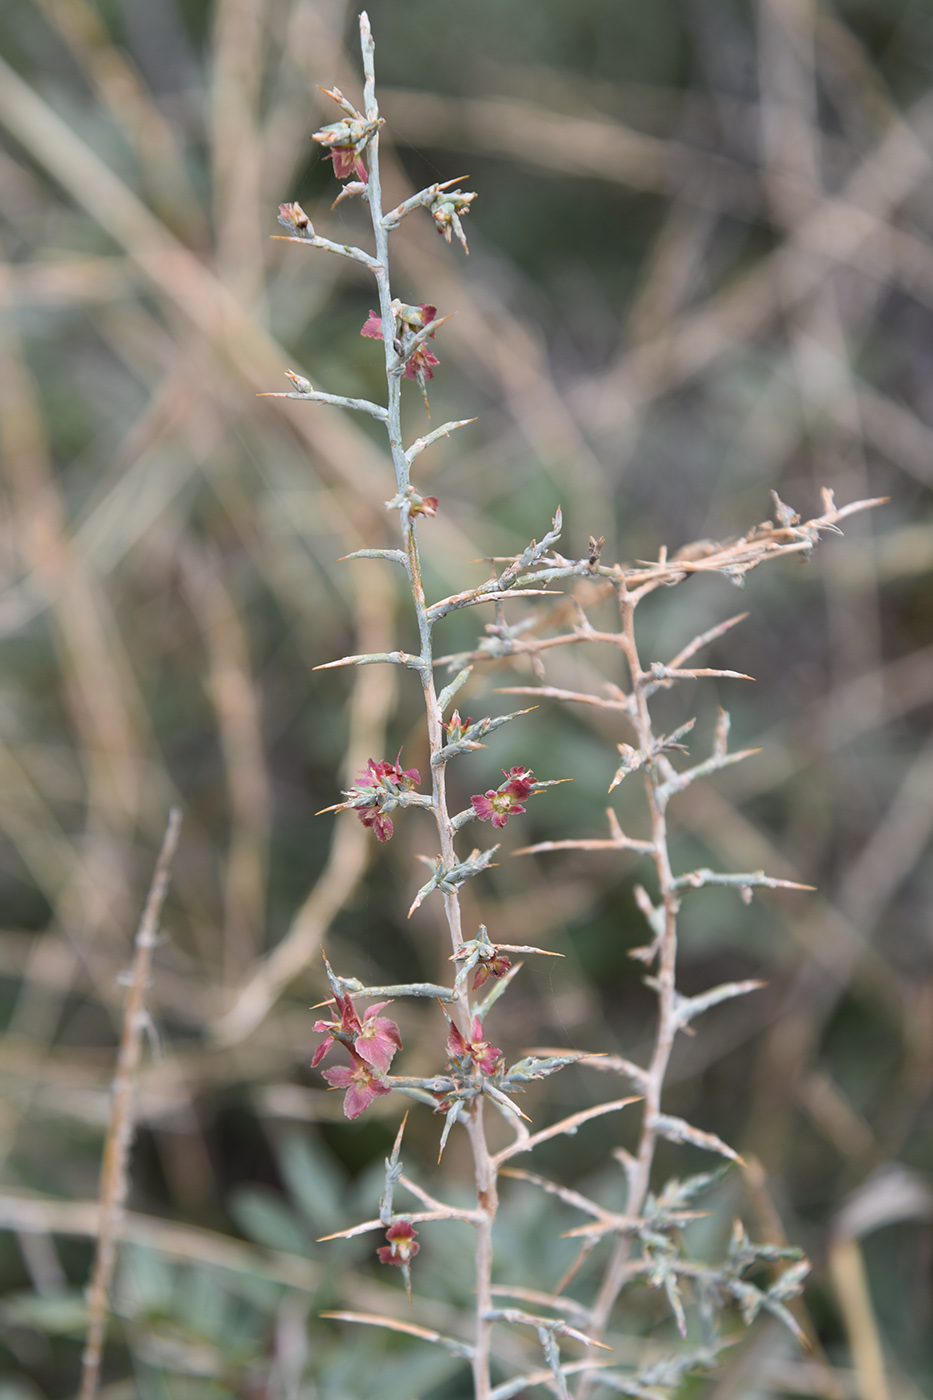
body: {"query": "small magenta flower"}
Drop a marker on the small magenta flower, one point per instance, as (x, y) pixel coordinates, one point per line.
(377, 822)
(498, 804)
(345, 1029)
(402, 1246)
(421, 361)
(496, 965)
(378, 1038)
(377, 785)
(375, 773)
(484, 1057)
(375, 1039)
(372, 326)
(347, 161)
(361, 1083)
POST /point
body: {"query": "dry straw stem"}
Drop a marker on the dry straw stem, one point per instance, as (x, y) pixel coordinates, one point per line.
(114, 1171)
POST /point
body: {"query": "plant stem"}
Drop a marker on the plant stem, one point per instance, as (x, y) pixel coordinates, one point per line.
(639, 1169)
(114, 1170)
(484, 1168)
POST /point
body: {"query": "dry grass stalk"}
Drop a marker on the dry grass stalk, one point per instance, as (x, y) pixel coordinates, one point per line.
(114, 1183)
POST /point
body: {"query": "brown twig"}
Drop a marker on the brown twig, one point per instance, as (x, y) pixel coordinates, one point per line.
(114, 1170)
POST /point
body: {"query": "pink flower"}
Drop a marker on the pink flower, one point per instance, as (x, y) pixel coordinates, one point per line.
(347, 161)
(378, 821)
(421, 361)
(375, 773)
(374, 783)
(347, 140)
(374, 1040)
(378, 1038)
(498, 804)
(518, 781)
(361, 1083)
(493, 966)
(484, 1057)
(372, 326)
(346, 1029)
(402, 1246)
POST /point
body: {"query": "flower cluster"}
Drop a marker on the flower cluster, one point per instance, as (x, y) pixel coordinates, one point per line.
(372, 1043)
(498, 804)
(409, 320)
(347, 139)
(379, 787)
(473, 1054)
(446, 209)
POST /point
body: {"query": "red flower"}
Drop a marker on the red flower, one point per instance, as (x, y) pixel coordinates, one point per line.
(374, 1040)
(378, 1038)
(374, 783)
(372, 326)
(346, 1029)
(375, 773)
(361, 1083)
(494, 966)
(498, 804)
(484, 1057)
(519, 781)
(347, 161)
(402, 1246)
(378, 821)
(421, 361)
(347, 140)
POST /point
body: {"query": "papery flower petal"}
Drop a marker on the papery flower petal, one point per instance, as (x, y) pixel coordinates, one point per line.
(402, 1244)
(347, 161)
(420, 361)
(372, 327)
(380, 824)
(494, 966)
(378, 1039)
(360, 1083)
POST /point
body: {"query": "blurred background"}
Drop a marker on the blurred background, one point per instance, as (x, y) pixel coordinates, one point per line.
(700, 268)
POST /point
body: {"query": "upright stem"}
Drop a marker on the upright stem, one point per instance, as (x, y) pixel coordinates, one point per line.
(484, 1169)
